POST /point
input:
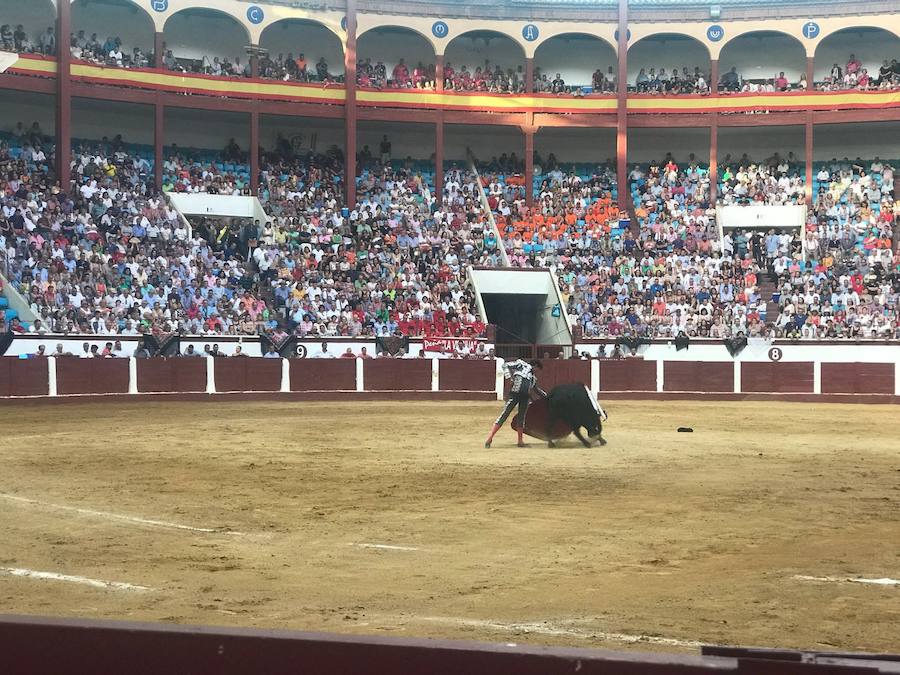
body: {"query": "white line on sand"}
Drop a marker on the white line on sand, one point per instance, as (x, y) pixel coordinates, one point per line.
(114, 516)
(884, 581)
(546, 628)
(387, 547)
(53, 576)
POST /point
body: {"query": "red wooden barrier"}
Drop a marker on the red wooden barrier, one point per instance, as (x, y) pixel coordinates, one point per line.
(72, 647)
(781, 377)
(171, 375)
(564, 371)
(323, 374)
(467, 375)
(710, 376)
(81, 647)
(397, 374)
(24, 377)
(91, 376)
(247, 374)
(628, 375)
(857, 378)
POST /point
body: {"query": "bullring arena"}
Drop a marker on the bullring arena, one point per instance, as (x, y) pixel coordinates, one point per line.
(293, 295)
(390, 518)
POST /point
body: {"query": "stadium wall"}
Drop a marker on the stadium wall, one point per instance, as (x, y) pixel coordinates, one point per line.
(862, 379)
(69, 647)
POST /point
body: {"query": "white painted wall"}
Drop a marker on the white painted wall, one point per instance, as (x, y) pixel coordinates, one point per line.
(757, 349)
(574, 57)
(472, 52)
(761, 142)
(93, 119)
(317, 134)
(880, 139)
(764, 57)
(390, 44)
(217, 205)
(312, 40)
(661, 51)
(192, 35)
(647, 144)
(486, 142)
(34, 15)
(26, 107)
(576, 145)
(870, 46)
(114, 18)
(407, 140)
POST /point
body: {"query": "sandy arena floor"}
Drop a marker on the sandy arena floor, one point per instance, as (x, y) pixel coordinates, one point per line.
(393, 519)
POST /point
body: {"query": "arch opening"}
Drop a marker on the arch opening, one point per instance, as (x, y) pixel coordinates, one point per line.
(396, 57)
(206, 41)
(762, 61)
(24, 27)
(668, 63)
(484, 60)
(863, 57)
(112, 33)
(301, 50)
(575, 62)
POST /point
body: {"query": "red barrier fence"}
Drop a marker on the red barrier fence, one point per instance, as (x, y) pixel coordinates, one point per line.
(247, 374)
(24, 377)
(80, 647)
(91, 376)
(323, 374)
(711, 376)
(164, 375)
(782, 378)
(454, 378)
(857, 378)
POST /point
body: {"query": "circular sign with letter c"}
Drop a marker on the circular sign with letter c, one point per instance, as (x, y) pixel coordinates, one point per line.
(255, 14)
(775, 354)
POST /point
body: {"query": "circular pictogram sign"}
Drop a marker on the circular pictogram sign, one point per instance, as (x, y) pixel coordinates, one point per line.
(775, 354)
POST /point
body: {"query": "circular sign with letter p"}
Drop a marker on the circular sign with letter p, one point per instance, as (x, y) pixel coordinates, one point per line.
(811, 30)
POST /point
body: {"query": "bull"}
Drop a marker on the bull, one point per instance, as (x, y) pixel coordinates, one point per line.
(567, 409)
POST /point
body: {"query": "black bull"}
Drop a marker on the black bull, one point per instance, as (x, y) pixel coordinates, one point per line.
(568, 409)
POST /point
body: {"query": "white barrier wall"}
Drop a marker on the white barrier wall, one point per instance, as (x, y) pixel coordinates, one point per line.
(759, 350)
(761, 216)
(202, 203)
(27, 344)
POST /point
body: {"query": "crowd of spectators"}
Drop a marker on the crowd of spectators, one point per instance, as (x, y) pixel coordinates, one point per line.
(776, 180)
(19, 40)
(113, 257)
(572, 211)
(487, 77)
(732, 82)
(674, 82)
(855, 76)
(600, 83)
(294, 69)
(109, 52)
(401, 75)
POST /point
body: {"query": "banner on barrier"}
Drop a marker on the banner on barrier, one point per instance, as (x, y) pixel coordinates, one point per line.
(446, 345)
